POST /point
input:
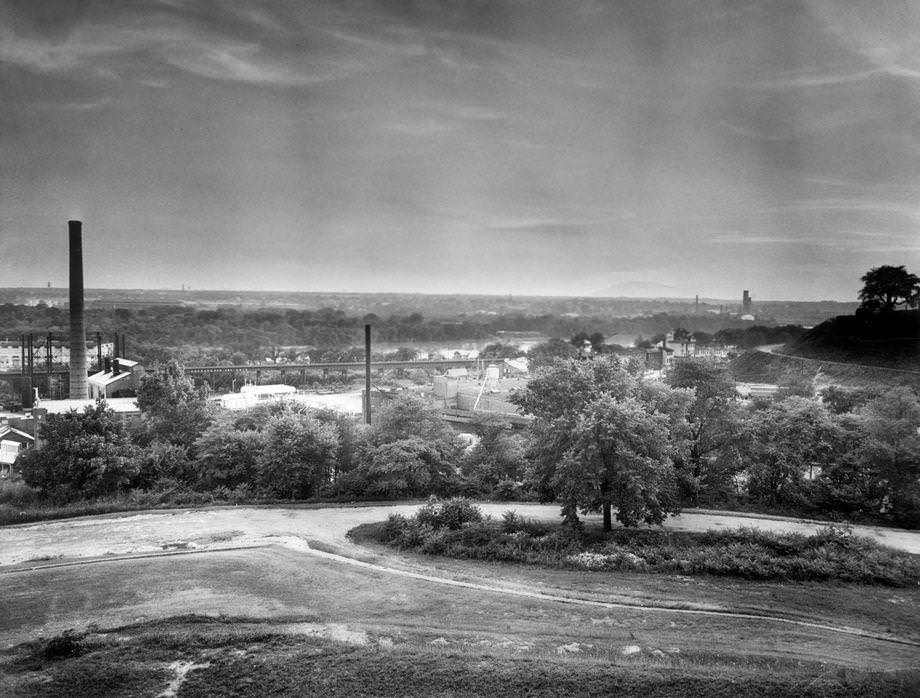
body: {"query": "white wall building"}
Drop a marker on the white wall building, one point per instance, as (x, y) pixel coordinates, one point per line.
(11, 352)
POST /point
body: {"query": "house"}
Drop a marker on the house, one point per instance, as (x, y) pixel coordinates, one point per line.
(12, 443)
(119, 377)
(659, 357)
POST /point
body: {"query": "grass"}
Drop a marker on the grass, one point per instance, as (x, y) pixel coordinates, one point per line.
(226, 656)
(833, 554)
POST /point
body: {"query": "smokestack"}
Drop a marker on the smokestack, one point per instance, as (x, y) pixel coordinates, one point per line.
(367, 374)
(78, 385)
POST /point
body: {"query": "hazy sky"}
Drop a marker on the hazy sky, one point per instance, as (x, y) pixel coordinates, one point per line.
(462, 146)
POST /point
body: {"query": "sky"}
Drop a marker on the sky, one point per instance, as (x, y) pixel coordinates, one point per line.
(576, 147)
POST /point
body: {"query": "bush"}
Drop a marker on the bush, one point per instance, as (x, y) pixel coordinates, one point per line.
(831, 554)
(17, 493)
(67, 644)
(512, 522)
(452, 513)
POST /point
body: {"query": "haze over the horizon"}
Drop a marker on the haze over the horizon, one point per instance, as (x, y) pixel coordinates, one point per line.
(462, 146)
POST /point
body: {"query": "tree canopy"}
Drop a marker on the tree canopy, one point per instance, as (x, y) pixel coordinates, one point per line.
(886, 287)
(173, 409)
(601, 438)
(84, 454)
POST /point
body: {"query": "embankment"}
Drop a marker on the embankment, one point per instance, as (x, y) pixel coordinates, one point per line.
(771, 367)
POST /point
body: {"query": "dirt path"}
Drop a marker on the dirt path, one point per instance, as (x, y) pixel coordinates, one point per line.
(217, 528)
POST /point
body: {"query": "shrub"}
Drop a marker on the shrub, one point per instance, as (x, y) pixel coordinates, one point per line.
(67, 644)
(451, 513)
(831, 554)
(393, 528)
(512, 522)
(17, 493)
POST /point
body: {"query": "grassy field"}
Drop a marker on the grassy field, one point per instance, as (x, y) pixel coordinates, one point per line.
(278, 618)
(200, 656)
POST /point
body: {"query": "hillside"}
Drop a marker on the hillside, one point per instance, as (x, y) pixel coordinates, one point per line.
(765, 367)
(891, 340)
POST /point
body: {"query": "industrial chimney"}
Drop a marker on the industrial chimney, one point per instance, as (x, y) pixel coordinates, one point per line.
(78, 385)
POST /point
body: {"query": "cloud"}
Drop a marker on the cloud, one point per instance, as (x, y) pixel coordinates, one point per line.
(818, 78)
(427, 127)
(201, 48)
(885, 34)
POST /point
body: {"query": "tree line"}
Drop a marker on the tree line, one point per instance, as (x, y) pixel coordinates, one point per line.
(235, 336)
(602, 439)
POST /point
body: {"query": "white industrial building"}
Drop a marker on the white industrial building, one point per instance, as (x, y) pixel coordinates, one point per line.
(11, 352)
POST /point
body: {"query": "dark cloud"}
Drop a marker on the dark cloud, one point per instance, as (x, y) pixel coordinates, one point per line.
(457, 145)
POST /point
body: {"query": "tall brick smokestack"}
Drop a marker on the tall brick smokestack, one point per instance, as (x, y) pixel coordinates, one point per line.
(78, 386)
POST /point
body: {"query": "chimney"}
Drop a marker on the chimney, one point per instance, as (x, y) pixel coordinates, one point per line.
(116, 367)
(106, 364)
(78, 385)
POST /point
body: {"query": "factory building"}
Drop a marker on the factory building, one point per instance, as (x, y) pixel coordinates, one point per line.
(12, 351)
(118, 378)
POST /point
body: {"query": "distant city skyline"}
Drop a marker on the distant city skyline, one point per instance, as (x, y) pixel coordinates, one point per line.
(539, 148)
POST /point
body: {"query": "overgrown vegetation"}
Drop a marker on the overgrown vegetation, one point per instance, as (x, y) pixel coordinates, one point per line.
(833, 553)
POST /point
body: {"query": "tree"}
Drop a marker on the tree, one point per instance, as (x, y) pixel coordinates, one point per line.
(595, 340)
(410, 451)
(82, 455)
(172, 409)
(889, 451)
(789, 440)
(498, 457)
(298, 457)
(708, 465)
(227, 456)
(886, 287)
(600, 437)
(619, 456)
(544, 354)
(405, 468)
(407, 416)
(499, 351)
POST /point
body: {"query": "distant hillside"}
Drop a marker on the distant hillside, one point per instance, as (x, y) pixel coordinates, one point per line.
(876, 339)
(763, 367)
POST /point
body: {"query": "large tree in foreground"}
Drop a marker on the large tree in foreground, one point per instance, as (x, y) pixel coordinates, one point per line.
(886, 287)
(601, 439)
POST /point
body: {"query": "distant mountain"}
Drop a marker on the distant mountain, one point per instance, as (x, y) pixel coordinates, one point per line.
(875, 339)
(644, 289)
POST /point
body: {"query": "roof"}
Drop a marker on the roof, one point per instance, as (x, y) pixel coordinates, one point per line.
(104, 378)
(6, 430)
(271, 389)
(517, 364)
